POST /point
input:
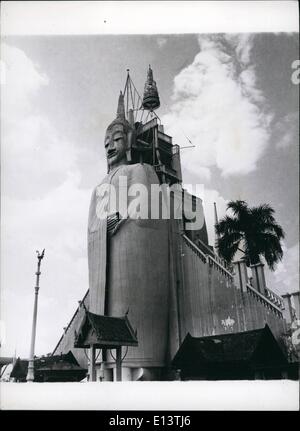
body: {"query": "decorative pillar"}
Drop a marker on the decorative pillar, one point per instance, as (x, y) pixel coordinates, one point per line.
(240, 274)
(92, 369)
(288, 310)
(258, 274)
(101, 372)
(30, 372)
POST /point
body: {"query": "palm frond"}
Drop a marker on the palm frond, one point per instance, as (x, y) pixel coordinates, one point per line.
(238, 207)
(228, 245)
(227, 225)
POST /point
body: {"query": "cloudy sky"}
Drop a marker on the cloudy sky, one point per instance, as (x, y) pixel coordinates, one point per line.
(230, 94)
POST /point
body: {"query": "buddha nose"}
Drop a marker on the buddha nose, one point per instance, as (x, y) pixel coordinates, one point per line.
(110, 144)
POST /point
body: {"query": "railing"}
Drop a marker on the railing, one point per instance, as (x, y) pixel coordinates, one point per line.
(196, 250)
(164, 137)
(206, 257)
(175, 149)
(71, 321)
(276, 299)
(250, 289)
(264, 300)
(213, 261)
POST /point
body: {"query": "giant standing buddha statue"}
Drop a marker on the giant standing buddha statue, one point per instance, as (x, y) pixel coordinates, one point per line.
(128, 252)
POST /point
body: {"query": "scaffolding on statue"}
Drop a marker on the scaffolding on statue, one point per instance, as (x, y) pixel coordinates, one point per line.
(152, 145)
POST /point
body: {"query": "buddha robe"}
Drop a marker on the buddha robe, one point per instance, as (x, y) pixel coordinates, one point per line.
(129, 268)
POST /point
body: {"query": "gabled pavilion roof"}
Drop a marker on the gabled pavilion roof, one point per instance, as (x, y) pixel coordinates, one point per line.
(105, 331)
(54, 363)
(257, 347)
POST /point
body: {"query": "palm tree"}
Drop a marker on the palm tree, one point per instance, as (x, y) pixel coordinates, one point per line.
(254, 229)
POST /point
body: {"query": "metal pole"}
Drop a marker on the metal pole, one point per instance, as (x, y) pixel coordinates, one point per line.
(30, 373)
(119, 364)
(216, 222)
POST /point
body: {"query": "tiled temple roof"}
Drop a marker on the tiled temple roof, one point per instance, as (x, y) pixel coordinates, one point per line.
(55, 363)
(107, 330)
(258, 346)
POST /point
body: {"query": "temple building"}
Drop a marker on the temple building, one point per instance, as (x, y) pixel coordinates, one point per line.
(158, 292)
(50, 368)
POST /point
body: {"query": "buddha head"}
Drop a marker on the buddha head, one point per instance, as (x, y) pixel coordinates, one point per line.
(118, 138)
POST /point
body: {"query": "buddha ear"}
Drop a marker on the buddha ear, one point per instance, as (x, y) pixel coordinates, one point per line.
(130, 143)
(128, 156)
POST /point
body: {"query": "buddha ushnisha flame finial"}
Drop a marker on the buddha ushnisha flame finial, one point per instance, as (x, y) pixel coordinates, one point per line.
(151, 98)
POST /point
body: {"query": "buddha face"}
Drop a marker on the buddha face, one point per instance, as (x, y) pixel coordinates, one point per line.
(115, 145)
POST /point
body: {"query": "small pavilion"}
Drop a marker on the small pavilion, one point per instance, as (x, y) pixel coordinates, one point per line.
(105, 332)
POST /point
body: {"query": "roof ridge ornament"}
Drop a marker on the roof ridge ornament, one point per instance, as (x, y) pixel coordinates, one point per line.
(121, 107)
(150, 74)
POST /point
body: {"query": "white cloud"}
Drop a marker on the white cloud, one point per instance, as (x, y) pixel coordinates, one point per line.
(286, 131)
(22, 82)
(204, 173)
(217, 103)
(243, 45)
(285, 278)
(34, 158)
